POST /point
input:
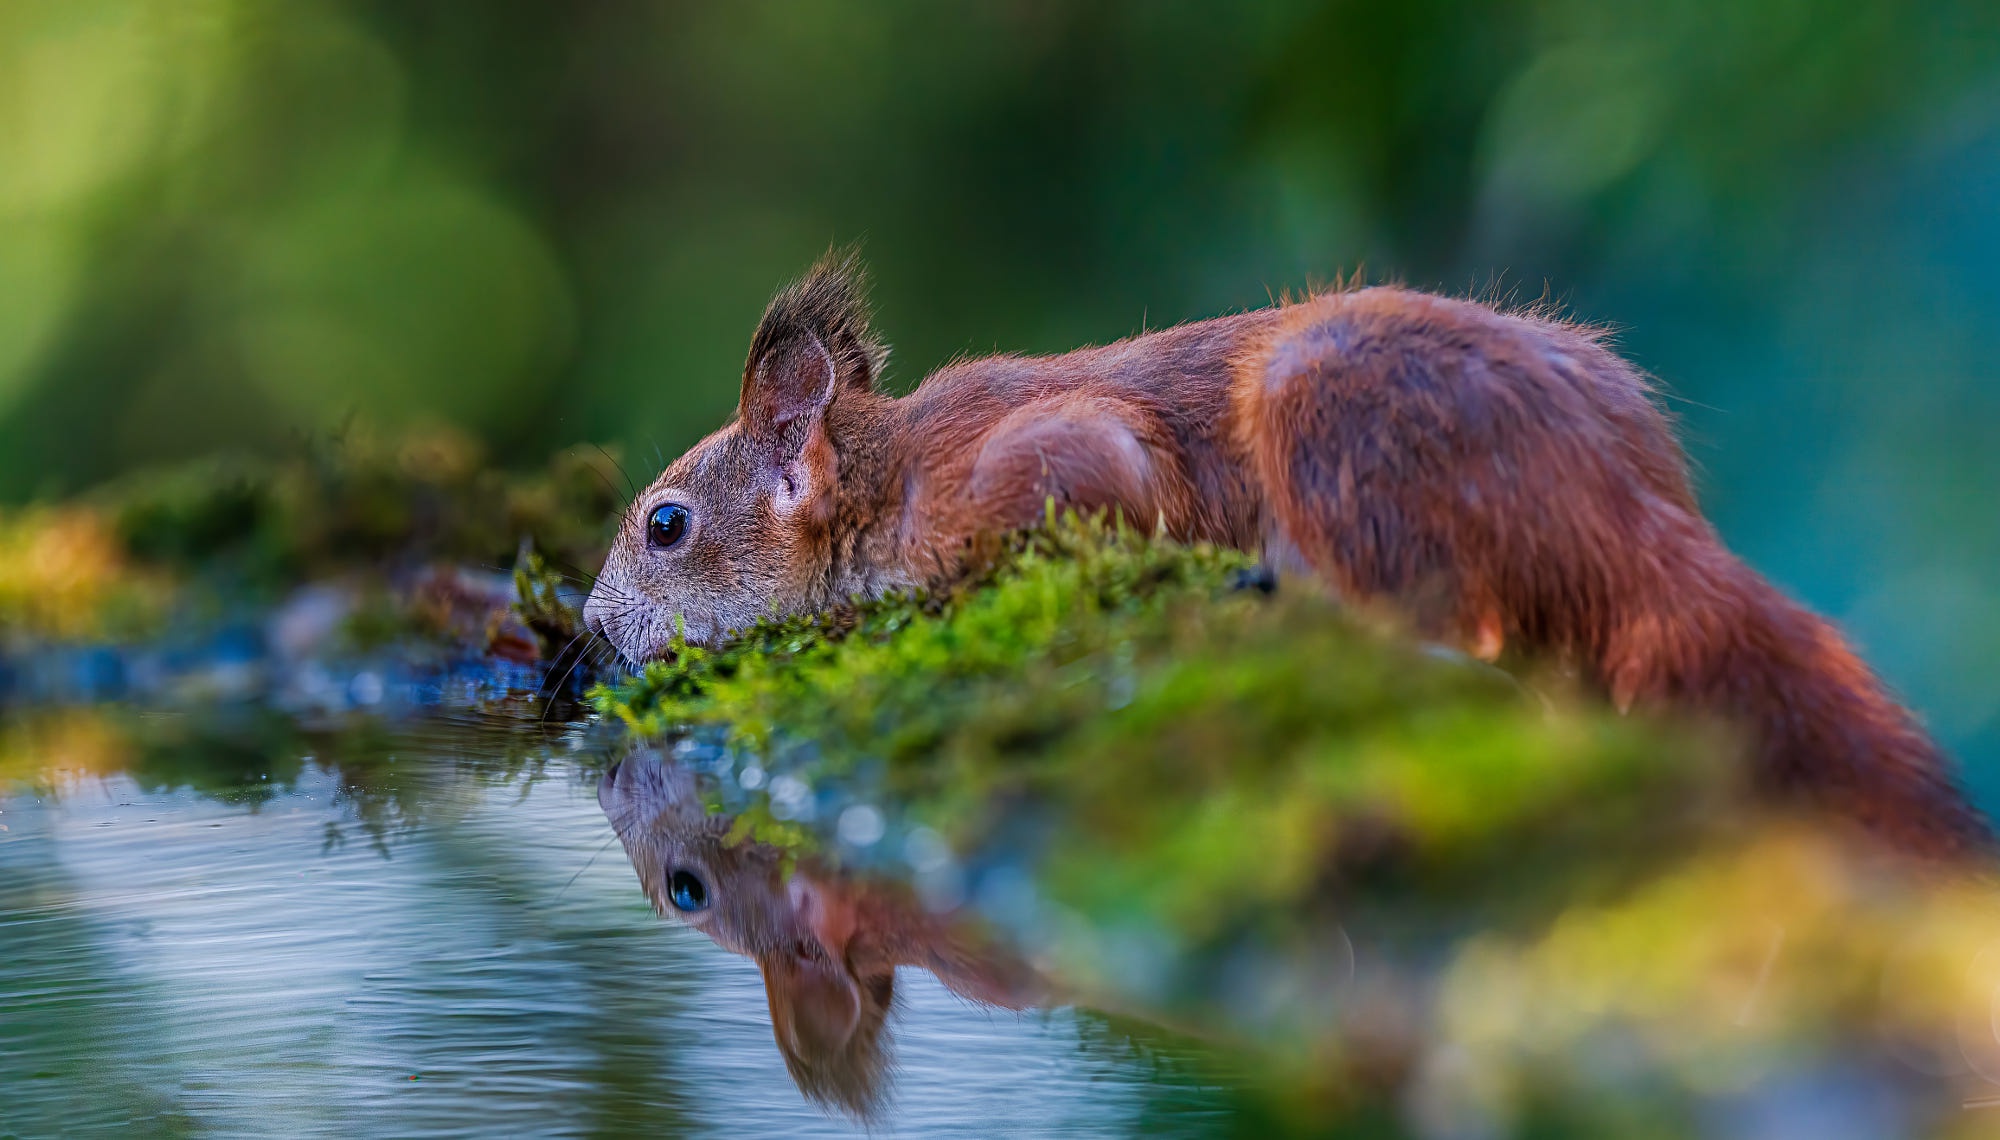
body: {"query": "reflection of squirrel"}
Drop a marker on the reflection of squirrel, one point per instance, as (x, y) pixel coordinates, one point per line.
(827, 944)
(1494, 475)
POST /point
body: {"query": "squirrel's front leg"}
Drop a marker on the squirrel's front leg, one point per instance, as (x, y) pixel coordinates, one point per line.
(1087, 453)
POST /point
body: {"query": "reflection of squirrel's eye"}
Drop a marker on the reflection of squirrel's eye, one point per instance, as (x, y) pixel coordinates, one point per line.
(668, 525)
(686, 892)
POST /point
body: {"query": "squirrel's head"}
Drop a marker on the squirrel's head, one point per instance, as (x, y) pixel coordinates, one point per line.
(742, 525)
(830, 992)
(827, 943)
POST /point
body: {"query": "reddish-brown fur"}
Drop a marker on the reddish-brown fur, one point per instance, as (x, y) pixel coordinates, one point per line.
(1497, 477)
(827, 944)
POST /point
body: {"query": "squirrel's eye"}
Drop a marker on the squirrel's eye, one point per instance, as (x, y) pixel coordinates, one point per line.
(668, 526)
(686, 892)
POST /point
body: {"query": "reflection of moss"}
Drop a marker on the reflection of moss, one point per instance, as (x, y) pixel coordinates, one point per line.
(250, 756)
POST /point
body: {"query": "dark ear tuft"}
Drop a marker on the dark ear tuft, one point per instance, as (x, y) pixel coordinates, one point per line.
(828, 305)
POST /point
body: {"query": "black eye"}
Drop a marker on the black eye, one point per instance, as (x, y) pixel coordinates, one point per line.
(686, 892)
(668, 525)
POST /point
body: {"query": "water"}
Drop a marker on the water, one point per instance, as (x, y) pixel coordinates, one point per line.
(425, 928)
(399, 908)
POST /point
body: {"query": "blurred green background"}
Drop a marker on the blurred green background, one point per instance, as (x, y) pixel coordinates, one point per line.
(226, 224)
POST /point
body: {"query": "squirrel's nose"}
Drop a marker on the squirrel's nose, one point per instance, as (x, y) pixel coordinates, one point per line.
(593, 615)
(614, 786)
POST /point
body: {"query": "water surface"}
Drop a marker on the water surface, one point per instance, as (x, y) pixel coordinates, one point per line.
(423, 928)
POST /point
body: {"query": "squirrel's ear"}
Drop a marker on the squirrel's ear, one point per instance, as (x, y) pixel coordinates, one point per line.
(830, 1028)
(816, 1006)
(786, 388)
(813, 342)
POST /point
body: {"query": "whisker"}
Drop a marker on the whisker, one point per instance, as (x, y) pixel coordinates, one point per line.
(632, 491)
(609, 662)
(570, 577)
(567, 646)
(615, 623)
(554, 688)
(582, 869)
(549, 704)
(567, 572)
(624, 664)
(570, 569)
(575, 659)
(609, 488)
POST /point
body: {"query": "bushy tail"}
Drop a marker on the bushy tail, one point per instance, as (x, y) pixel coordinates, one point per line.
(1827, 731)
(1509, 477)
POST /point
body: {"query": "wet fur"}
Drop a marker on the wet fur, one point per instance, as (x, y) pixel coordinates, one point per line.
(1500, 479)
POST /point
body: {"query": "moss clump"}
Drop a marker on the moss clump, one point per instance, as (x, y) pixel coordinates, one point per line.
(1193, 754)
(542, 608)
(65, 574)
(193, 542)
(359, 501)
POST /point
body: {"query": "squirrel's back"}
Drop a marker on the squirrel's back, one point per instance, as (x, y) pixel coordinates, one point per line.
(1508, 479)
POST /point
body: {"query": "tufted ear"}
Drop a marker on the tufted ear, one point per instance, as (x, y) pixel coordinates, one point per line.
(831, 1029)
(829, 1021)
(813, 343)
(785, 392)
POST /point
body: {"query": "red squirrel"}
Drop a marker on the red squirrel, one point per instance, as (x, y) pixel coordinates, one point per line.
(828, 944)
(1493, 476)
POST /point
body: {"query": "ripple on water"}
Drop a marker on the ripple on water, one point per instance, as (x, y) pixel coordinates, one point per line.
(187, 964)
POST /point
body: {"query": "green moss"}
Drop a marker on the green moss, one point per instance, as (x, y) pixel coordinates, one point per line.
(181, 545)
(1196, 753)
(360, 501)
(539, 602)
